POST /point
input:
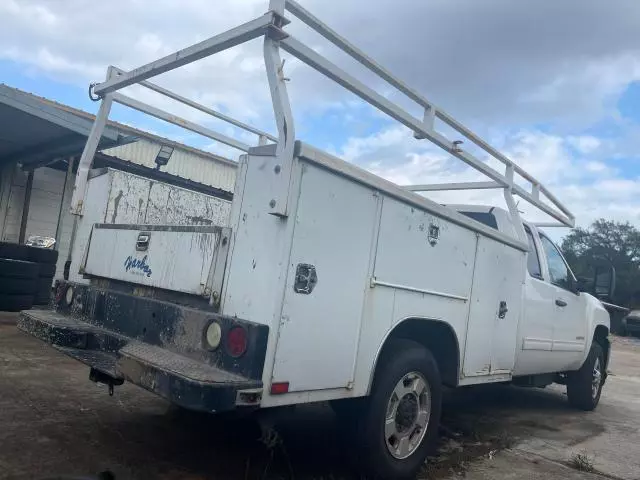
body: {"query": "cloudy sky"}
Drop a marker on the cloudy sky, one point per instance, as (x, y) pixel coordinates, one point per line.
(554, 85)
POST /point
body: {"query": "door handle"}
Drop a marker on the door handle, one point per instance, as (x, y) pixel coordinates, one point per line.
(502, 310)
(561, 303)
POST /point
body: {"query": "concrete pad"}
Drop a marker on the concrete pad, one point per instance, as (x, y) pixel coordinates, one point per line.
(549, 433)
(614, 439)
(8, 318)
(54, 421)
(517, 465)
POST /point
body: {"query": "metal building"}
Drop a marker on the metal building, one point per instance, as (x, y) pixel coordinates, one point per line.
(40, 142)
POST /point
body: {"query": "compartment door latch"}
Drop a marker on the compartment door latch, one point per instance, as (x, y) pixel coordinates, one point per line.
(306, 278)
(502, 310)
(142, 243)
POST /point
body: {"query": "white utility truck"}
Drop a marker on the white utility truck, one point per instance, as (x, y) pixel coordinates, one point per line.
(329, 283)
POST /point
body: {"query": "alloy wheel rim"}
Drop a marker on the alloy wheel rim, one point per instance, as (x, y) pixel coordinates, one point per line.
(407, 415)
(596, 379)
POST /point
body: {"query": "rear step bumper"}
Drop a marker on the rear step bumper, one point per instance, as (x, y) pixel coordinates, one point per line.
(182, 380)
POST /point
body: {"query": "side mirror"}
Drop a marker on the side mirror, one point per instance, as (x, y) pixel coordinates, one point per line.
(599, 280)
(604, 281)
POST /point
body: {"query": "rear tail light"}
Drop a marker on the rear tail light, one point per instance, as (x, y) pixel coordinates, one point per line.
(279, 388)
(236, 341)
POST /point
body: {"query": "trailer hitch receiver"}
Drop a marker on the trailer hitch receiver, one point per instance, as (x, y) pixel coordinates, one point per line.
(99, 376)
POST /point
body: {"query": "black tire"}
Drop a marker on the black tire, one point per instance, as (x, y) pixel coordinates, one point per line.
(580, 384)
(402, 357)
(42, 255)
(15, 303)
(43, 292)
(346, 408)
(13, 251)
(47, 270)
(18, 286)
(18, 268)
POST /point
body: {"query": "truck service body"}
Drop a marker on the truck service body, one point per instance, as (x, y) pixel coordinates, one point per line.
(328, 283)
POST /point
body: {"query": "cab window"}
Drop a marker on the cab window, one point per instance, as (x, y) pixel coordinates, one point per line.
(558, 270)
(488, 218)
(533, 261)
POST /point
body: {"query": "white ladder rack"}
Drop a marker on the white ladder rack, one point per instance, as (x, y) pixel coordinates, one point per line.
(271, 26)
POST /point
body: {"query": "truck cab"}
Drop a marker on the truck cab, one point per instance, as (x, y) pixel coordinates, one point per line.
(558, 321)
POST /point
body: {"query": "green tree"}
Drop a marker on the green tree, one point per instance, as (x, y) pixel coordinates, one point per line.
(617, 242)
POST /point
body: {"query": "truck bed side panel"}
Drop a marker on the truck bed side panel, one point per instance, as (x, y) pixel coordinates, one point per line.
(256, 269)
(429, 279)
(177, 206)
(419, 250)
(128, 199)
(378, 259)
(119, 197)
(318, 337)
(498, 277)
(95, 211)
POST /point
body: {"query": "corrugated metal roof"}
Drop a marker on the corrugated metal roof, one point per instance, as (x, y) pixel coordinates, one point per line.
(126, 129)
(190, 163)
(36, 130)
(186, 162)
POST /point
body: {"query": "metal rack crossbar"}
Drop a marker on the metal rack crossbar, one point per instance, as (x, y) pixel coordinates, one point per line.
(271, 27)
(424, 129)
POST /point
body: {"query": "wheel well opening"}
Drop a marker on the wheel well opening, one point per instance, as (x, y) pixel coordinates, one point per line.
(601, 335)
(438, 338)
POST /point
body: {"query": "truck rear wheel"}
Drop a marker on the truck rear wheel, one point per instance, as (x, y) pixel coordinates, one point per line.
(398, 426)
(585, 385)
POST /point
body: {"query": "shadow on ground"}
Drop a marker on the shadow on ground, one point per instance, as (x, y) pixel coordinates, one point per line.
(54, 421)
(176, 444)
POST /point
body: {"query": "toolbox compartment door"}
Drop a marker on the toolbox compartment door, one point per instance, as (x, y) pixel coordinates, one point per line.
(188, 259)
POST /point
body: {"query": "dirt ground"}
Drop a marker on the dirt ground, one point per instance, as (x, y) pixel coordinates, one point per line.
(53, 421)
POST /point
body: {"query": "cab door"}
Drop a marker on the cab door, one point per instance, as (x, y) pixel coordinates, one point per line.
(535, 334)
(569, 323)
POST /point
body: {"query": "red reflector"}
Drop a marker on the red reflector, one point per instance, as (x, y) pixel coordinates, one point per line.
(237, 341)
(279, 388)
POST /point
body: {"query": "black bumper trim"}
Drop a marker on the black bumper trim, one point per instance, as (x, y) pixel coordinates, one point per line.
(172, 326)
(183, 381)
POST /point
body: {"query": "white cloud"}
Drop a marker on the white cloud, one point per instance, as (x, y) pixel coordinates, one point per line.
(589, 188)
(72, 42)
(597, 167)
(355, 147)
(499, 63)
(38, 14)
(497, 59)
(584, 143)
(604, 79)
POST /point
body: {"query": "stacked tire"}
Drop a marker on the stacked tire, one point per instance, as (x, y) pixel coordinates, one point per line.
(26, 276)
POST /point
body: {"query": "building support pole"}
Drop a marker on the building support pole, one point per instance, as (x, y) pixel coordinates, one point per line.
(25, 207)
(67, 181)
